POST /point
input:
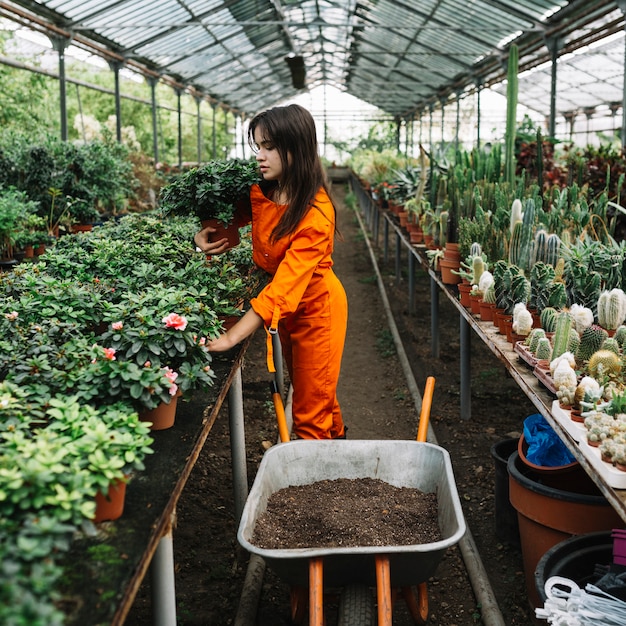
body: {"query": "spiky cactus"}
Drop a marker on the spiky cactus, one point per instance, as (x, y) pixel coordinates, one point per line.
(544, 349)
(541, 277)
(521, 238)
(611, 308)
(611, 344)
(620, 336)
(591, 339)
(604, 364)
(573, 341)
(533, 338)
(561, 334)
(501, 282)
(547, 318)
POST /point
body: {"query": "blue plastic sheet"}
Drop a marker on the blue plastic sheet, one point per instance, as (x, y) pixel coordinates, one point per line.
(545, 447)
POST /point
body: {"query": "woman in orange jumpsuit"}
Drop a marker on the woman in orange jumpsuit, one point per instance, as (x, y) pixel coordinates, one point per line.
(293, 230)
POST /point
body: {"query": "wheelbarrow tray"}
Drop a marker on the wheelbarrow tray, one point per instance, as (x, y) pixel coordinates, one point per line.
(414, 464)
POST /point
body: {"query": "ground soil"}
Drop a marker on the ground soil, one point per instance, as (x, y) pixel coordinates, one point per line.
(377, 404)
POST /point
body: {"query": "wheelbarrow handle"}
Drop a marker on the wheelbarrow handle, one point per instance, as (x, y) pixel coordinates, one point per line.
(427, 400)
(279, 408)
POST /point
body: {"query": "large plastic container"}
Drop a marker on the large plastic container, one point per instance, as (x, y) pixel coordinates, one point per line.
(423, 466)
(575, 558)
(506, 524)
(548, 516)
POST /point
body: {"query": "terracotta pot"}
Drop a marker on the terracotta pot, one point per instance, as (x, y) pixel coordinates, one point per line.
(451, 252)
(548, 516)
(230, 232)
(507, 325)
(163, 416)
(486, 311)
(475, 301)
(417, 236)
(110, 506)
(496, 313)
(82, 228)
(404, 218)
(29, 252)
(447, 276)
(464, 297)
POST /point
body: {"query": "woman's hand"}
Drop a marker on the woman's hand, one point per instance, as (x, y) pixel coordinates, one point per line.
(201, 239)
(242, 329)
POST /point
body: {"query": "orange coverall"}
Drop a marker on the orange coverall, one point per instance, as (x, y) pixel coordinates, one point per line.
(307, 302)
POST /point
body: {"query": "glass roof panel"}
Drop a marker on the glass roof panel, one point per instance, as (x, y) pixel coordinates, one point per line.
(398, 55)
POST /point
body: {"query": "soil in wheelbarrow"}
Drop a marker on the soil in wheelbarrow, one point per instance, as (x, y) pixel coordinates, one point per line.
(377, 404)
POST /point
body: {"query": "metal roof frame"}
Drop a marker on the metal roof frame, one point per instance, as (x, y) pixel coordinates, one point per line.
(402, 56)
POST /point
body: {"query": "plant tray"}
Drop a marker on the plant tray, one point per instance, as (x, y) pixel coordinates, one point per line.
(576, 430)
(612, 476)
(525, 354)
(545, 378)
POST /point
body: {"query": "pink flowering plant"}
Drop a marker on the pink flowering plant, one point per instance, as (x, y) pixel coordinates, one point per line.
(141, 329)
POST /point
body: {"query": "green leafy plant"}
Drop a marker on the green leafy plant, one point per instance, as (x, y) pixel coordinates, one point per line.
(210, 191)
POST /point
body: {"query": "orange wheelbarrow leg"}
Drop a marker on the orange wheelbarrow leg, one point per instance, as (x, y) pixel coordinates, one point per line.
(383, 590)
(418, 607)
(316, 592)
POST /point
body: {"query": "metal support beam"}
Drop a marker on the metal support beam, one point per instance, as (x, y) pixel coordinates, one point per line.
(466, 378)
(386, 237)
(398, 258)
(115, 67)
(198, 100)
(237, 443)
(152, 81)
(179, 113)
(434, 318)
(553, 44)
(478, 90)
(162, 581)
(214, 107)
(60, 44)
(411, 283)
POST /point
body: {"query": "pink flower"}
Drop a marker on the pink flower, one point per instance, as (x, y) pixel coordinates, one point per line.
(117, 325)
(173, 390)
(170, 374)
(173, 320)
(109, 353)
(12, 316)
(147, 364)
(202, 341)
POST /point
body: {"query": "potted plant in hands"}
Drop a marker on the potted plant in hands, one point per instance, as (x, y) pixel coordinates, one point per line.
(212, 192)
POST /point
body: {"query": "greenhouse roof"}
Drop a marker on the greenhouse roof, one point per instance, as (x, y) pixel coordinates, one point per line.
(401, 56)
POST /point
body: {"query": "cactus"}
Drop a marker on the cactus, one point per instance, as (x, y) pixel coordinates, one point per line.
(573, 341)
(475, 249)
(490, 294)
(620, 336)
(561, 334)
(611, 308)
(478, 267)
(541, 277)
(604, 364)
(522, 237)
(533, 338)
(544, 349)
(539, 246)
(611, 344)
(553, 250)
(591, 339)
(547, 317)
(501, 280)
(511, 114)
(557, 295)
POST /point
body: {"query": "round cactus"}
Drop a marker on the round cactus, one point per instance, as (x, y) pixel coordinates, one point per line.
(547, 317)
(533, 338)
(573, 341)
(620, 336)
(611, 344)
(591, 339)
(544, 349)
(604, 363)
(611, 308)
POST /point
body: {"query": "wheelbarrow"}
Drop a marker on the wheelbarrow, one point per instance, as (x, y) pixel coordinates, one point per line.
(392, 570)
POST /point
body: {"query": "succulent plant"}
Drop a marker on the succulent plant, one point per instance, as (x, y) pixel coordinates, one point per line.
(541, 277)
(547, 318)
(620, 336)
(573, 341)
(522, 237)
(591, 339)
(561, 334)
(611, 308)
(533, 338)
(544, 349)
(610, 343)
(604, 364)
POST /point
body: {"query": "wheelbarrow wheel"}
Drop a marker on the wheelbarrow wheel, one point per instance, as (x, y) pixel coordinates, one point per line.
(356, 606)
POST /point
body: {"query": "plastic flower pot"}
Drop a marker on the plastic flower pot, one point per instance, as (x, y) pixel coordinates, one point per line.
(548, 516)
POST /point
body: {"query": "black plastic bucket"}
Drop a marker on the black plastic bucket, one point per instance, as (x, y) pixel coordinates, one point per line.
(507, 526)
(576, 559)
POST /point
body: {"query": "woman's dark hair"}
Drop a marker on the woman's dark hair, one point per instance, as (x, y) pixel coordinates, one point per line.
(291, 130)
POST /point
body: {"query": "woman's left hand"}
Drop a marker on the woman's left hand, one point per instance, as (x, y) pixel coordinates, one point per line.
(222, 344)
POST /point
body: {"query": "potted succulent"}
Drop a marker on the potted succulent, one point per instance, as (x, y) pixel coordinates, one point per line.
(211, 193)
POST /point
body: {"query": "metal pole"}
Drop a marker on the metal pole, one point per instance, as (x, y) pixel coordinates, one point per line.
(115, 68)
(163, 582)
(155, 134)
(237, 443)
(434, 318)
(411, 283)
(214, 131)
(465, 357)
(180, 127)
(199, 129)
(60, 44)
(478, 87)
(386, 235)
(398, 257)
(553, 44)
